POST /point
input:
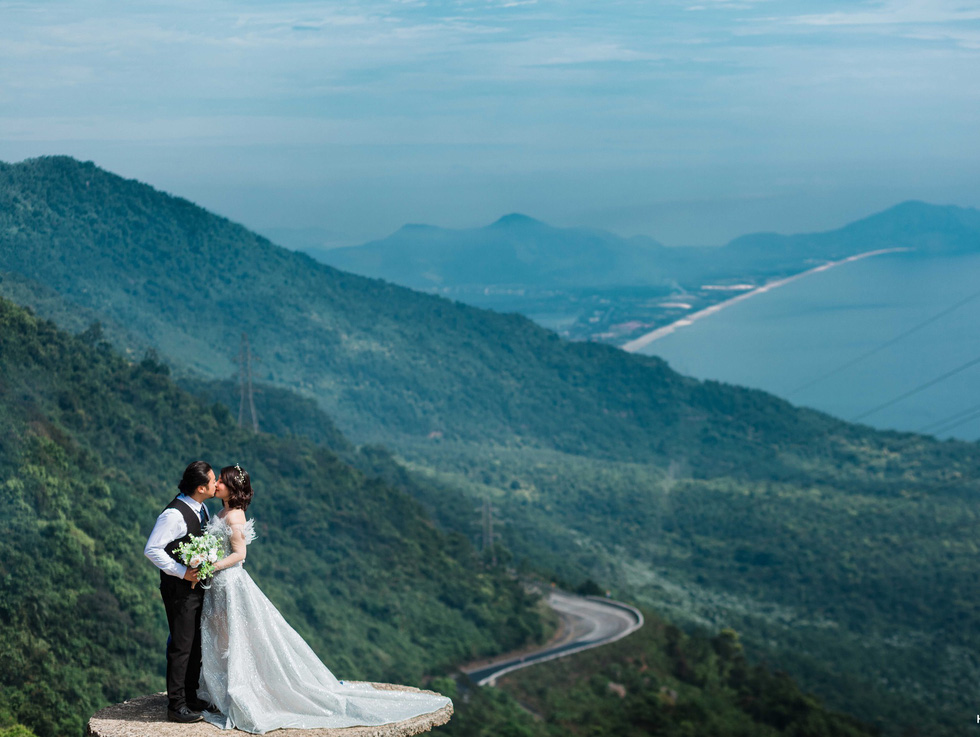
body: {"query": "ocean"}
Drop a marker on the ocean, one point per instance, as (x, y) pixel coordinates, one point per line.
(802, 341)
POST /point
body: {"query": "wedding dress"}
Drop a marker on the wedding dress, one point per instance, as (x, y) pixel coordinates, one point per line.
(262, 675)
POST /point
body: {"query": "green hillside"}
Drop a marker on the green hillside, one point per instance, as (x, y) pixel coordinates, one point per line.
(90, 451)
(387, 363)
(658, 681)
(351, 562)
(844, 554)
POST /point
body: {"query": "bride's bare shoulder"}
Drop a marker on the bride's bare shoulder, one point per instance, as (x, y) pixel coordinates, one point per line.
(235, 517)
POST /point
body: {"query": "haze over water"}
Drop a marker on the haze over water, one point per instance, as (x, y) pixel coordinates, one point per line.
(781, 340)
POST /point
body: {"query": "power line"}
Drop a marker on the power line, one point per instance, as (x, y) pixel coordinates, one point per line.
(489, 536)
(917, 389)
(950, 418)
(884, 345)
(946, 428)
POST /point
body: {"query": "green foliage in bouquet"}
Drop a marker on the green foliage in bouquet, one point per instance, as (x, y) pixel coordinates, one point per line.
(201, 552)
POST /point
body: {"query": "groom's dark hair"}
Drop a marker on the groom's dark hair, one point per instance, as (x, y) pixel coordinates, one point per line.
(195, 475)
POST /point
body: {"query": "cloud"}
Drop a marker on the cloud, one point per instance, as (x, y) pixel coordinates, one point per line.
(504, 85)
(895, 13)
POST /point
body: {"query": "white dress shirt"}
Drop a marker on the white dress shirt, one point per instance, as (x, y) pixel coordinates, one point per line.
(170, 526)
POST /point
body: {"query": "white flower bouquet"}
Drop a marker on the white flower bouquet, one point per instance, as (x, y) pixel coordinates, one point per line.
(201, 552)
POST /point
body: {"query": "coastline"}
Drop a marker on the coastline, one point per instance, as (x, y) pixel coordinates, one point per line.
(644, 340)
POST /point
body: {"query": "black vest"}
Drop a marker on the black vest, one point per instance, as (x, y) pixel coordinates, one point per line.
(193, 523)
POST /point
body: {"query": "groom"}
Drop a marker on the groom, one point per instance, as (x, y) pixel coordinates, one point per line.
(186, 515)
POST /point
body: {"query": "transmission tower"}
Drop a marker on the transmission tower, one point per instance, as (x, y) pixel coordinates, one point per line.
(488, 530)
(245, 383)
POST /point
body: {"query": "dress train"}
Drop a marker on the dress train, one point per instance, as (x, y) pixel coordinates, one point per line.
(262, 675)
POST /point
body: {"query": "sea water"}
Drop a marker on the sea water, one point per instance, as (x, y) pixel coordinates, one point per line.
(810, 328)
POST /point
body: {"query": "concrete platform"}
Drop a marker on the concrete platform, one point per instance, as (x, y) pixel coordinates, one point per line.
(146, 716)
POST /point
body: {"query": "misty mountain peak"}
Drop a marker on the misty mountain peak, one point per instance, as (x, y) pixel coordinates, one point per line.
(517, 220)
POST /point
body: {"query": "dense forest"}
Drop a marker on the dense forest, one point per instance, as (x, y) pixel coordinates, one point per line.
(659, 681)
(842, 554)
(861, 586)
(91, 448)
(353, 563)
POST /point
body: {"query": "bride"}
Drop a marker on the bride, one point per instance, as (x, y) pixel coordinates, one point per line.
(258, 673)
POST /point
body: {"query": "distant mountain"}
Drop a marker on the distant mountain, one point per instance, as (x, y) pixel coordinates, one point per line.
(918, 226)
(516, 249)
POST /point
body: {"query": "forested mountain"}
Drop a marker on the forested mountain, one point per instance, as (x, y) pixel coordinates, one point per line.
(91, 448)
(388, 364)
(726, 505)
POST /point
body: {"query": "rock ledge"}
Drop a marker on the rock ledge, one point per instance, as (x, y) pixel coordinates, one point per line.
(146, 716)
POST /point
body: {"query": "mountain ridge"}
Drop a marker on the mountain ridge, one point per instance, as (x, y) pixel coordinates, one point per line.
(372, 369)
(440, 258)
(919, 226)
(514, 249)
(370, 352)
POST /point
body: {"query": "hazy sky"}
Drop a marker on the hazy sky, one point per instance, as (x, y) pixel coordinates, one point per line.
(691, 122)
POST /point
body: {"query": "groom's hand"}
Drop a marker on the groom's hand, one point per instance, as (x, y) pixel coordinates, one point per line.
(191, 575)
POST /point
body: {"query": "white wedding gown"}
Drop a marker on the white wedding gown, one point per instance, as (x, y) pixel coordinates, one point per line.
(262, 675)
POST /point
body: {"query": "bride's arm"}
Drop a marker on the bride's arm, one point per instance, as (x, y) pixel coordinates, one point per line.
(236, 521)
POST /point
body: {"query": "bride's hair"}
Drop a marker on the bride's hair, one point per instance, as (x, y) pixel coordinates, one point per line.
(239, 487)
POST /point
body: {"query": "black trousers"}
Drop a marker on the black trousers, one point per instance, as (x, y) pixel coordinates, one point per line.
(183, 606)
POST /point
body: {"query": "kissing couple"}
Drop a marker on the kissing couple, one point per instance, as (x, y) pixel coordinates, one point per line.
(232, 658)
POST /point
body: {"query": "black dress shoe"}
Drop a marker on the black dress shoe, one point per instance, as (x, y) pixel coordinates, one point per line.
(183, 715)
(198, 705)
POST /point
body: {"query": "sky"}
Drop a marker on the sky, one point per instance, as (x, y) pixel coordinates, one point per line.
(691, 121)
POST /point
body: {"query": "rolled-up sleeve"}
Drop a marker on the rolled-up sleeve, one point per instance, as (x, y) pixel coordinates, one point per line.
(170, 526)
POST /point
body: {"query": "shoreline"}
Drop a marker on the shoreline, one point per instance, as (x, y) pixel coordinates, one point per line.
(644, 340)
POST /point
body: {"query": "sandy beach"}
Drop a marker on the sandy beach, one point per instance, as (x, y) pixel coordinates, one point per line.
(644, 340)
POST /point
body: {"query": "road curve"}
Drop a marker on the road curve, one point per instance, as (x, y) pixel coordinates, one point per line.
(587, 622)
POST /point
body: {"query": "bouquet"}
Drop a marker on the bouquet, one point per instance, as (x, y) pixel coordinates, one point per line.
(201, 552)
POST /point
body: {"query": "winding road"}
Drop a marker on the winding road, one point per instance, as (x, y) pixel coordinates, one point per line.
(586, 622)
